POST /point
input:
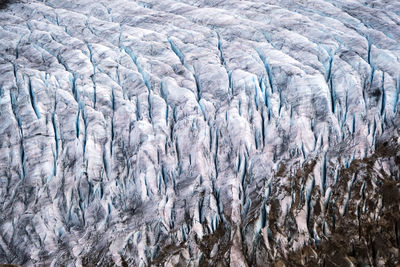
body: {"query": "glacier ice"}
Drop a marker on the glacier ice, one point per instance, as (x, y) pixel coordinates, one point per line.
(200, 133)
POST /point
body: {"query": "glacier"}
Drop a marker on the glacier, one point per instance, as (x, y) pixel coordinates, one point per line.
(200, 133)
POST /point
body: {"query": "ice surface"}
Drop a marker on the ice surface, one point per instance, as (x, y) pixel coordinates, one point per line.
(186, 133)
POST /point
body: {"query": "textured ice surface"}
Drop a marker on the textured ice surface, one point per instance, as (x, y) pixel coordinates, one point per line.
(186, 133)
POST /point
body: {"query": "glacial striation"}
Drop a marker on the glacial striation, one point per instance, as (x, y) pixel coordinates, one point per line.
(200, 133)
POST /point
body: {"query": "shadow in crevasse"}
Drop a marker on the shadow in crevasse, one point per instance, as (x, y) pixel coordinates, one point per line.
(4, 4)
